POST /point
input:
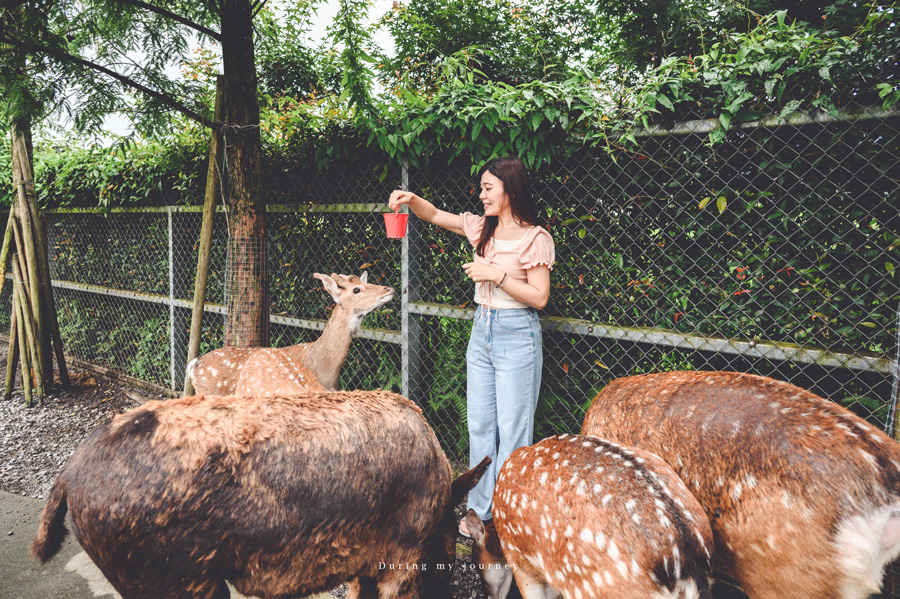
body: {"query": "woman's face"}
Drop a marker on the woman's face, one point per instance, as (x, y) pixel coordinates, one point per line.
(493, 196)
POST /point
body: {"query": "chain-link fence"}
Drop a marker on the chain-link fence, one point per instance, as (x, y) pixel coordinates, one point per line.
(772, 253)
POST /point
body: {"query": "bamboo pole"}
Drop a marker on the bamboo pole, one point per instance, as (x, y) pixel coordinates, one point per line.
(7, 243)
(52, 338)
(34, 296)
(23, 348)
(12, 355)
(206, 231)
(31, 339)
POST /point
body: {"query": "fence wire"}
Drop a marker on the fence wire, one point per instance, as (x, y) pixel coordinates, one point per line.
(774, 253)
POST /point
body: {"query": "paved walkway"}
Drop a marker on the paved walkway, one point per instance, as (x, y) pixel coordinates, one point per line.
(69, 575)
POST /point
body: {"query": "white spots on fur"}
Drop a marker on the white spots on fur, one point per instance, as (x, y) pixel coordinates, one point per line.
(629, 505)
(586, 535)
(613, 549)
(606, 499)
(870, 459)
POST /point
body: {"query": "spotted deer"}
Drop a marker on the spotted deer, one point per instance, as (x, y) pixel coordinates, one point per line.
(803, 495)
(269, 371)
(588, 519)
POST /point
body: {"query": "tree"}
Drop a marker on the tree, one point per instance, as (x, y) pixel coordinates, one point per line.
(92, 44)
(512, 41)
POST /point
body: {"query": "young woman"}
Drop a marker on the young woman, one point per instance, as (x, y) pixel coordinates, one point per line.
(511, 272)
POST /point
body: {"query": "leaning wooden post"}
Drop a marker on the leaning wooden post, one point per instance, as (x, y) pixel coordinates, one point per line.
(31, 339)
(25, 366)
(28, 247)
(206, 231)
(51, 337)
(12, 355)
(7, 243)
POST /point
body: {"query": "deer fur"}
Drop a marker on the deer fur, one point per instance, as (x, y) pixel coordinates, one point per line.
(283, 497)
(584, 518)
(803, 495)
(267, 371)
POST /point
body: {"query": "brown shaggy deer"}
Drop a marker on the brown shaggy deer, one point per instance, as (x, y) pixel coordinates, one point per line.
(283, 497)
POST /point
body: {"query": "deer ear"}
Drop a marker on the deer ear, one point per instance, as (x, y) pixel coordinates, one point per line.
(330, 286)
(475, 526)
(364, 278)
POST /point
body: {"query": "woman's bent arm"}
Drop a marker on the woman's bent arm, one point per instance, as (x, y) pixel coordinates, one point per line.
(425, 210)
(534, 292)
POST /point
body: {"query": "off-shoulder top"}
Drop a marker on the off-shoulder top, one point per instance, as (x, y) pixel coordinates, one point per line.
(512, 257)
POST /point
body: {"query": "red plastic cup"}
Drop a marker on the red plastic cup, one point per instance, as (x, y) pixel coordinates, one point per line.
(395, 224)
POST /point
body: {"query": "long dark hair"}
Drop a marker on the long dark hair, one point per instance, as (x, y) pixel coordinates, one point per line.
(517, 186)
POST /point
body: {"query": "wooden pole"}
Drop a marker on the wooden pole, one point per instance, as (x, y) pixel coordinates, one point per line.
(206, 231)
(33, 285)
(7, 242)
(31, 341)
(13, 354)
(23, 348)
(52, 338)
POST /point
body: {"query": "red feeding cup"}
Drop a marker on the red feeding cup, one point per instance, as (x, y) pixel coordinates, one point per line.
(395, 224)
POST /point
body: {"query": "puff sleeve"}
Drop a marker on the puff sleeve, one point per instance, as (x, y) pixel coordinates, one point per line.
(472, 225)
(537, 249)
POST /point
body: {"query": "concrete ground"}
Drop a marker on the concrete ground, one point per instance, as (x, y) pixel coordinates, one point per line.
(69, 575)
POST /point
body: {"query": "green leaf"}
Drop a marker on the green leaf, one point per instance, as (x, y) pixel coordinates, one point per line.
(704, 202)
(725, 119)
(721, 204)
(664, 101)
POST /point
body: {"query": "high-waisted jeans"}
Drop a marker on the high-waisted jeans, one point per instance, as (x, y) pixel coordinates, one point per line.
(504, 362)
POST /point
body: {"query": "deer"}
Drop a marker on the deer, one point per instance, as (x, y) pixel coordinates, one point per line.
(584, 518)
(281, 496)
(262, 371)
(803, 495)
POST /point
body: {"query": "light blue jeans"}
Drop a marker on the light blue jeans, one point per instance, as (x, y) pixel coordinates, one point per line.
(504, 362)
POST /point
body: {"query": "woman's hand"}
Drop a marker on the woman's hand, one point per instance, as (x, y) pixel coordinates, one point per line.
(400, 197)
(482, 272)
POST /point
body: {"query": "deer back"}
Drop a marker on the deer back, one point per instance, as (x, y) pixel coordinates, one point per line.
(589, 518)
(803, 495)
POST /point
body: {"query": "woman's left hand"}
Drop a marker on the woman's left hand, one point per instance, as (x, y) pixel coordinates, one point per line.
(482, 272)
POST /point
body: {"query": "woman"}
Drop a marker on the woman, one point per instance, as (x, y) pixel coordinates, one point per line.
(511, 271)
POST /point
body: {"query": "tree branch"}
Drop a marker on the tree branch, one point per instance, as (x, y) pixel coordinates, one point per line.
(64, 56)
(170, 15)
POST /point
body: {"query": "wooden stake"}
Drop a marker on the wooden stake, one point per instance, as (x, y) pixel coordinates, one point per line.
(13, 354)
(206, 231)
(7, 242)
(31, 340)
(23, 348)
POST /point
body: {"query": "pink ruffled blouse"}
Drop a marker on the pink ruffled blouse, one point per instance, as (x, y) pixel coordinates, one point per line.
(534, 249)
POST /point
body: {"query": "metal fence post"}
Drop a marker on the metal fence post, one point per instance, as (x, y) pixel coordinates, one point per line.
(171, 301)
(411, 327)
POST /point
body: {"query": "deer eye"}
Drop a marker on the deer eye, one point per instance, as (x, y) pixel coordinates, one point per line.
(357, 289)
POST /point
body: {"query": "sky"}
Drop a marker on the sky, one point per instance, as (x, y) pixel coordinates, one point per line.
(119, 125)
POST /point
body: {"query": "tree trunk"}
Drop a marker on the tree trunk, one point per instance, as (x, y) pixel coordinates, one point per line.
(247, 277)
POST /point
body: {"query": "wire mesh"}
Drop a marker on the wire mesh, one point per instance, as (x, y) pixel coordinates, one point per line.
(770, 253)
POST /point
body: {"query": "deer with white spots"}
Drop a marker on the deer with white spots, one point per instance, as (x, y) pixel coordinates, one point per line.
(803, 495)
(585, 518)
(269, 371)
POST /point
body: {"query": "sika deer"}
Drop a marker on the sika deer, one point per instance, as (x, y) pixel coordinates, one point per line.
(283, 497)
(803, 496)
(585, 518)
(269, 371)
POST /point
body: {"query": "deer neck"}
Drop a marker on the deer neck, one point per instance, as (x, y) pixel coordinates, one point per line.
(326, 355)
